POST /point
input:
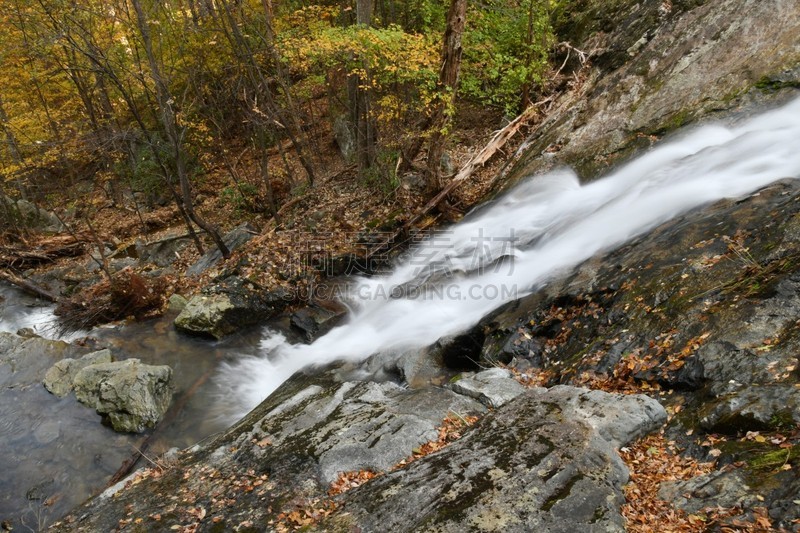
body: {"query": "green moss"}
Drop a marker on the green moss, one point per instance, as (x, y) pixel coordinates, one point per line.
(768, 85)
(775, 459)
(759, 280)
(743, 450)
(676, 121)
(577, 357)
(731, 96)
(782, 420)
(599, 514)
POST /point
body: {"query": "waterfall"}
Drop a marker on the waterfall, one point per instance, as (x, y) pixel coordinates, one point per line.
(543, 228)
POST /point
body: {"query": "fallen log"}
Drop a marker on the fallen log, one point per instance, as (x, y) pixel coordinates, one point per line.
(27, 286)
(495, 144)
(45, 251)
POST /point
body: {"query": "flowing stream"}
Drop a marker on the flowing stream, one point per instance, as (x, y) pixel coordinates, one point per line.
(54, 452)
(544, 227)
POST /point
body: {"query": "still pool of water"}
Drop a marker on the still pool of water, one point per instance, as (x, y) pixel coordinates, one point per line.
(55, 453)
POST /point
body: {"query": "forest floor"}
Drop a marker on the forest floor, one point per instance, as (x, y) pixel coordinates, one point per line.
(341, 217)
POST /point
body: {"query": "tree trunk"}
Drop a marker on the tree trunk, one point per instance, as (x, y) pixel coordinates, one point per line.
(76, 74)
(269, 17)
(448, 81)
(364, 127)
(526, 87)
(264, 164)
(536, 8)
(173, 131)
(11, 141)
(260, 86)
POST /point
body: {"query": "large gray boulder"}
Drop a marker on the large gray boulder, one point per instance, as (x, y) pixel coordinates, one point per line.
(133, 395)
(58, 379)
(207, 314)
(30, 215)
(356, 426)
(228, 306)
(546, 461)
(163, 252)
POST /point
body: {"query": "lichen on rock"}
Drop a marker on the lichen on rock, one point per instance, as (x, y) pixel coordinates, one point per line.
(133, 396)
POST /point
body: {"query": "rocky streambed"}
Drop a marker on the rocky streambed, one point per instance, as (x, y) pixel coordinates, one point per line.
(690, 330)
(56, 452)
(692, 325)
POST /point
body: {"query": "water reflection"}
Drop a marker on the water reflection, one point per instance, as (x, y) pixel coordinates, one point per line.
(54, 452)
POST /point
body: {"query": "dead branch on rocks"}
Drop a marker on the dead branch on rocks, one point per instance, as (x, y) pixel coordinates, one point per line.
(45, 251)
(27, 286)
(126, 294)
(495, 144)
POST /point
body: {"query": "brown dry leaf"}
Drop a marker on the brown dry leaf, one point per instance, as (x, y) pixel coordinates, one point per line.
(645, 512)
(350, 480)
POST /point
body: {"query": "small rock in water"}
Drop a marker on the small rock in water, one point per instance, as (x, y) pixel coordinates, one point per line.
(26, 332)
(60, 376)
(177, 302)
(133, 395)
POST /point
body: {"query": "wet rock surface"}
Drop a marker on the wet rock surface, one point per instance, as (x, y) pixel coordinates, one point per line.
(754, 408)
(229, 305)
(59, 378)
(317, 318)
(299, 440)
(493, 388)
(546, 459)
(437, 363)
(24, 358)
(133, 396)
(546, 462)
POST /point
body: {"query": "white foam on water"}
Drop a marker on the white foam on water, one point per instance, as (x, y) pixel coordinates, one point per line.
(544, 227)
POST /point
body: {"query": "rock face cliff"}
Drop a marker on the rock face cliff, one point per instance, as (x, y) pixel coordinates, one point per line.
(701, 315)
(547, 459)
(661, 66)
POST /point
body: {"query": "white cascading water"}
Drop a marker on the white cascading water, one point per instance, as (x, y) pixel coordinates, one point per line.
(17, 313)
(549, 224)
